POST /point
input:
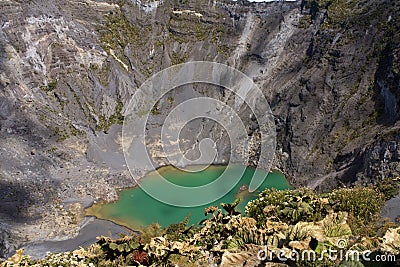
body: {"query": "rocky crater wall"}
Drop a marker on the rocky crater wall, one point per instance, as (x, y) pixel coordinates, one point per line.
(330, 70)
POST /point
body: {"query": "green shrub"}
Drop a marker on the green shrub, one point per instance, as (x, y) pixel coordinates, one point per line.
(388, 187)
(289, 206)
(363, 205)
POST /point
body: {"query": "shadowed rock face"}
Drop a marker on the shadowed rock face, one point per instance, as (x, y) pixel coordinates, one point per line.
(330, 71)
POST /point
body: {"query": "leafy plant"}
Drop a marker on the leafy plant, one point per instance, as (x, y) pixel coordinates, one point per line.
(289, 206)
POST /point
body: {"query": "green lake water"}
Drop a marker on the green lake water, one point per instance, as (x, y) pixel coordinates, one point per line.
(135, 208)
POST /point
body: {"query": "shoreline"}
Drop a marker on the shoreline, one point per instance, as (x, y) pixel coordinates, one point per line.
(96, 209)
(91, 228)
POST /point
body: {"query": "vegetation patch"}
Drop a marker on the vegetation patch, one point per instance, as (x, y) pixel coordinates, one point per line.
(51, 86)
(117, 33)
(116, 118)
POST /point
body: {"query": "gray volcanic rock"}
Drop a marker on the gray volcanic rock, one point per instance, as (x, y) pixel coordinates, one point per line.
(91, 228)
(68, 68)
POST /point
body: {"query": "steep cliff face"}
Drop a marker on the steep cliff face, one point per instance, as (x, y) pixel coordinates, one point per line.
(330, 70)
(337, 109)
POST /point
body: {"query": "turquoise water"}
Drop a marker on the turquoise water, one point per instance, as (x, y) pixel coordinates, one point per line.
(135, 208)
